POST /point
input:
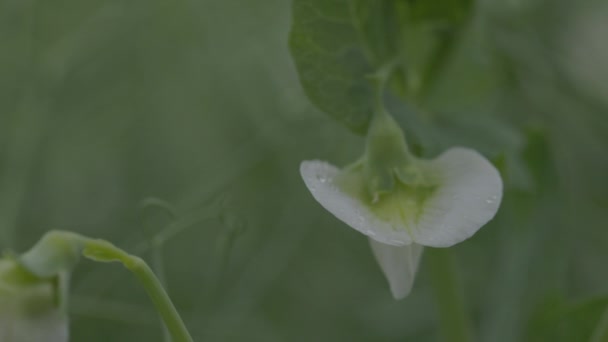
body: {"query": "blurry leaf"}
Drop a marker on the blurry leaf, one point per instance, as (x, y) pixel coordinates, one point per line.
(337, 43)
(429, 33)
(331, 61)
(446, 12)
(378, 25)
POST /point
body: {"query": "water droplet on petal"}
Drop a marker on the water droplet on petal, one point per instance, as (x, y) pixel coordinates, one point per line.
(492, 199)
(360, 218)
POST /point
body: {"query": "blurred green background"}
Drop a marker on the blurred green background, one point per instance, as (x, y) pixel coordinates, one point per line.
(106, 103)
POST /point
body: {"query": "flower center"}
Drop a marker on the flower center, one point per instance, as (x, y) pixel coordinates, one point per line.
(403, 206)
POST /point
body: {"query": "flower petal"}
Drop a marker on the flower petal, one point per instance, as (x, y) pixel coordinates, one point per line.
(319, 178)
(468, 196)
(399, 265)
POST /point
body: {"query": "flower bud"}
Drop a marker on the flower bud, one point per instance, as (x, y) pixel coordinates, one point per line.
(30, 309)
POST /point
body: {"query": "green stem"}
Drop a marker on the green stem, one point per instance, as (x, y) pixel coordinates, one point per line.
(104, 251)
(158, 267)
(152, 204)
(455, 323)
(159, 296)
(57, 253)
(379, 79)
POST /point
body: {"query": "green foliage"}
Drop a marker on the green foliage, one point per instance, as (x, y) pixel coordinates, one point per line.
(331, 58)
(106, 103)
(337, 45)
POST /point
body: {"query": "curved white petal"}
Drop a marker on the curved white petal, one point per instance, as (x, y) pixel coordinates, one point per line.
(319, 178)
(399, 265)
(467, 197)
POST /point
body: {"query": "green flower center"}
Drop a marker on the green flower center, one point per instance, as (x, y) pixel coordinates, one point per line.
(402, 206)
(22, 293)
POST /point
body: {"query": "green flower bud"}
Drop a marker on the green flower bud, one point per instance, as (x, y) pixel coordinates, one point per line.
(30, 308)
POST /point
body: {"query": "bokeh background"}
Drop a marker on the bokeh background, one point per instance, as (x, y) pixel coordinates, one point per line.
(104, 104)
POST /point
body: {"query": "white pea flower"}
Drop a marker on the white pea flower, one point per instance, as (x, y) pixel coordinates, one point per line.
(29, 310)
(435, 203)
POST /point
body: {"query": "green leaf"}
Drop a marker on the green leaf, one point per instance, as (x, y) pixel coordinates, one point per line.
(331, 61)
(429, 33)
(378, 25)
(447, 12)
(336, 44)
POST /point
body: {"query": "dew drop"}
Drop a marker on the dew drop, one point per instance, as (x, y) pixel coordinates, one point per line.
(360, 217)
(491, 199)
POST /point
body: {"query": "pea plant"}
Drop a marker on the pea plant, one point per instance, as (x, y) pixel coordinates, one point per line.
(464, 142)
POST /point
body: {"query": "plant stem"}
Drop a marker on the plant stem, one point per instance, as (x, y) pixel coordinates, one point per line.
(158, 267)
(57, 252)
(104, 251)
(148, 205)
(455, 323)
(161, 300)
